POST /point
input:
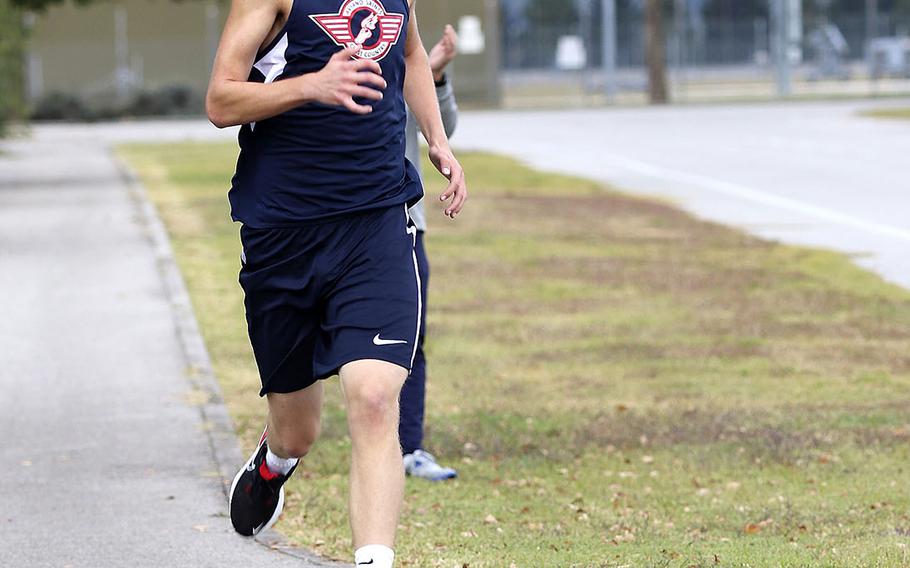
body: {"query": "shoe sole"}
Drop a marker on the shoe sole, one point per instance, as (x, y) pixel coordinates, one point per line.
(435, 479)
(268, 524)
(431, 478)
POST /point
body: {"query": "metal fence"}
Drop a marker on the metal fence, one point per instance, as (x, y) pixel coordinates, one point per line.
(697, 50)
(708, 42)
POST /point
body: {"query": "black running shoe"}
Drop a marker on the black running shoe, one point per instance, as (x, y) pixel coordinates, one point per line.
(257, 494)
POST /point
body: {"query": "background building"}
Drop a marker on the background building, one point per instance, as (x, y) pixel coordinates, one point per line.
(140, 57)
(106, 54)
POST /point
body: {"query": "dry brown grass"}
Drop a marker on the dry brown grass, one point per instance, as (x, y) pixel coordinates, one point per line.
(618, 383)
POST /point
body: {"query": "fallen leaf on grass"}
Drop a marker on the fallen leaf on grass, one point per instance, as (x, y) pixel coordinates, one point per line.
(490, 520)
(755, 528)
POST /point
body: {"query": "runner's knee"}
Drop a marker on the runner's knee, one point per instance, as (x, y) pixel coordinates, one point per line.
(372, 403)
(371, 392)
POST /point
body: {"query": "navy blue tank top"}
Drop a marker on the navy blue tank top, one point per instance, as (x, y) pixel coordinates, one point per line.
(319, 161)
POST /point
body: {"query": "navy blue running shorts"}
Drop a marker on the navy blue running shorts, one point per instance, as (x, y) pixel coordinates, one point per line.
(322, 295)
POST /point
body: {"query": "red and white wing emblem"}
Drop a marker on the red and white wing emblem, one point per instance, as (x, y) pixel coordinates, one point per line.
(340, 26)
(390, 27)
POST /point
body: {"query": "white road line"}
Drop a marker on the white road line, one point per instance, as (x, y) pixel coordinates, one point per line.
(758, 196)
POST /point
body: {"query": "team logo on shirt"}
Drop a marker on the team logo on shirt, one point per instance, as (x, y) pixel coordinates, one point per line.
(364, 24)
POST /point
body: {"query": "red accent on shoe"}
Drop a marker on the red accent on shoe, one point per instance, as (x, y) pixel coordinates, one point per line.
(266, 473)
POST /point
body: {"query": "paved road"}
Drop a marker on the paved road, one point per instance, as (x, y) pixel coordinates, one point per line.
(806, 173)
(106, 460)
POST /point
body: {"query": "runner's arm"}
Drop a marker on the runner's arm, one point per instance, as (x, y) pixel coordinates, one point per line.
(441, 55)
(233, 100)
(420, 94)
(448, 107)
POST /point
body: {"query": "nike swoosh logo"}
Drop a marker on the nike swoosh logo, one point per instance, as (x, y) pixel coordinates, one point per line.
(365, 563)
(380, 342)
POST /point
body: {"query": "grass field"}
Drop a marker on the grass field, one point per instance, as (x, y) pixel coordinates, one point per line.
(900, 113)
(618, 383)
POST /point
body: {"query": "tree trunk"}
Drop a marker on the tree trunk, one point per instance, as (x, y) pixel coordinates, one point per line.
(654, 52)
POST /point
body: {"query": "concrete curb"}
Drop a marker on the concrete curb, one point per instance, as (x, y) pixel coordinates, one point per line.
(218, 427)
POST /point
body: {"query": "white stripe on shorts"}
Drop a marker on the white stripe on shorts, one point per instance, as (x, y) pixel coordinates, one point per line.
(412, 230)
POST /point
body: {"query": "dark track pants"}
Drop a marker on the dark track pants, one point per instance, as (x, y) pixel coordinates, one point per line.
(413, 394)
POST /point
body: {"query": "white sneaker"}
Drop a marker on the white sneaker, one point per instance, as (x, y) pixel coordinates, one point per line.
(423, 464)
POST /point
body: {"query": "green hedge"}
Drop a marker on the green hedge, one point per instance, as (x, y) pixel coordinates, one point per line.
(12, 40)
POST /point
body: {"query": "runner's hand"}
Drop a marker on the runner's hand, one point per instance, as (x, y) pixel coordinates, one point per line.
(443, 52)
(448, 166)
(342, 79)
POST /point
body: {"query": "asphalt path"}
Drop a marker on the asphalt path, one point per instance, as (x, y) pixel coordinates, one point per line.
(817, 174)
(112, 433)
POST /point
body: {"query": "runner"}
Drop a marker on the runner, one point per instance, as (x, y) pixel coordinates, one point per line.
(329, 270)
(417, 461)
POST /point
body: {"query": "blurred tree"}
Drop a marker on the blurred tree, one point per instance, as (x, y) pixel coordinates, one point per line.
(12, 49)
(12, 40)
(654, 52)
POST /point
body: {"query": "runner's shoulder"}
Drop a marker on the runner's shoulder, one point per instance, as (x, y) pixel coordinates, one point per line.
(277, 7)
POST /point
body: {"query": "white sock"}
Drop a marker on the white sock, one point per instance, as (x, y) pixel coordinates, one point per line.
(278, 465)
(374, 556)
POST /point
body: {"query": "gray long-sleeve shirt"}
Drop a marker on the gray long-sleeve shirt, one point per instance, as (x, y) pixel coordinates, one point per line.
(449, 110)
